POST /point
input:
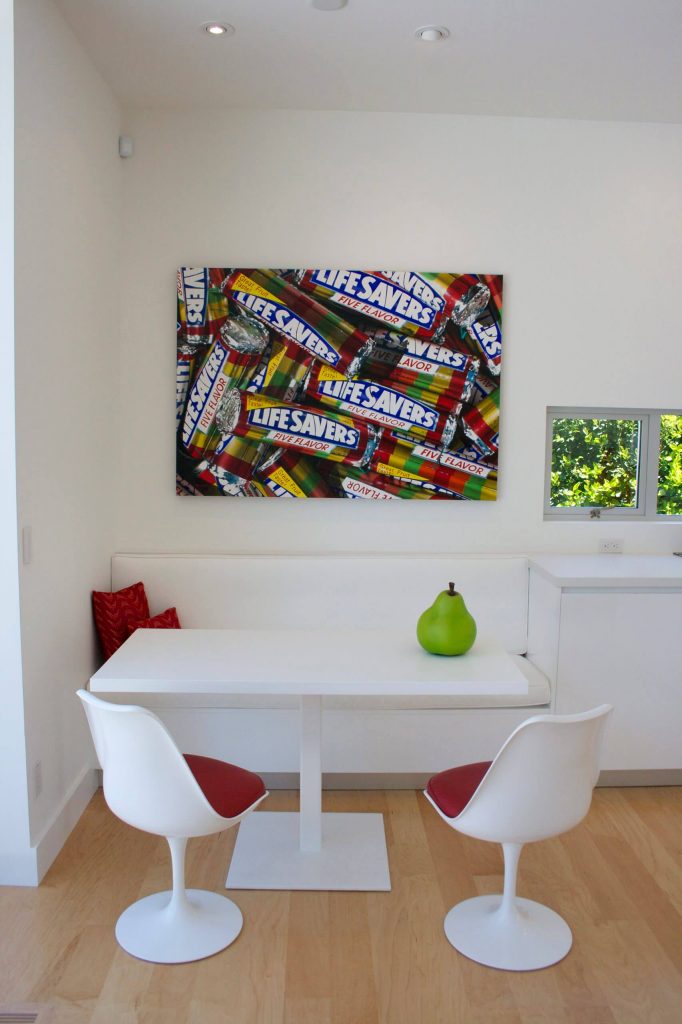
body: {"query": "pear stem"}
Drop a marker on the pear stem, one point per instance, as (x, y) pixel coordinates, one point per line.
(452, 589)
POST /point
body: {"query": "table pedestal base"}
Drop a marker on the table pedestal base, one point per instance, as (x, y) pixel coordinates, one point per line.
(353, 854)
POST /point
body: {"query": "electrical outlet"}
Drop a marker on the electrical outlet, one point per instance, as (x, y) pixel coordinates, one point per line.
(37, 778)
(611, 547)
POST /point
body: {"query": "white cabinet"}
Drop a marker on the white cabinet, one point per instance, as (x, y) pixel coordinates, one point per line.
(625, 649)
(620, 643)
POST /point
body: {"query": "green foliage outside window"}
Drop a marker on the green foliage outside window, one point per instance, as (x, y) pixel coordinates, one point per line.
(670, 467)
(594, 463)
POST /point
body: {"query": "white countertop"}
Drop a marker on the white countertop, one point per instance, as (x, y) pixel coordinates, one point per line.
(274, 661)
(610, 571)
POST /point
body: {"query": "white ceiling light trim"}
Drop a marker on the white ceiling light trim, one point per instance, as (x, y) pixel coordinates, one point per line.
(432, 33)
(218, 28)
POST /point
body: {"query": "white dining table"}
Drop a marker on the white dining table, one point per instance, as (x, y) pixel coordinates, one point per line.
(305, 849)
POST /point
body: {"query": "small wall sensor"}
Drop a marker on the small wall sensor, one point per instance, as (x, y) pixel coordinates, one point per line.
(125, 145)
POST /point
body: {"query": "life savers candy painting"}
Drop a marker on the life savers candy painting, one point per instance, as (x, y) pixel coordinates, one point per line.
(378, 384)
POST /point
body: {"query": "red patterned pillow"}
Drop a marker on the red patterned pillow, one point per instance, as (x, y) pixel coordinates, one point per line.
(164, 620)
(114, 611)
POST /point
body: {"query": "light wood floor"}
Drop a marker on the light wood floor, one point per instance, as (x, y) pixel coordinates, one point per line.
(354, 958)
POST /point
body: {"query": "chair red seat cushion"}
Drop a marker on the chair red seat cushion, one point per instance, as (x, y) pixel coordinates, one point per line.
(453, 789)
(230, 790)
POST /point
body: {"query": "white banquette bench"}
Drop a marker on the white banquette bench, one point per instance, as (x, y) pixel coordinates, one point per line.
(364, 739)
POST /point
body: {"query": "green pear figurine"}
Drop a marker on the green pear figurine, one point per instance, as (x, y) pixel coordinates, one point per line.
(446, 627)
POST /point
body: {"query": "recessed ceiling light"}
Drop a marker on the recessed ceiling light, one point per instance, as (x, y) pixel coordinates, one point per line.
(217, 28)
(329, 5)
(432, 33)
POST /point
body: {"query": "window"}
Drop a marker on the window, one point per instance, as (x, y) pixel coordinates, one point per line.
(616, 463)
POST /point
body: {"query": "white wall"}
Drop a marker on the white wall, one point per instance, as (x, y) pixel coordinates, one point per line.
(15, 859)
(583, 219)
(68, 206)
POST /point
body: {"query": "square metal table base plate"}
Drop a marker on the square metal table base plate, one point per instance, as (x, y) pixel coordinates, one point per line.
(353, 855)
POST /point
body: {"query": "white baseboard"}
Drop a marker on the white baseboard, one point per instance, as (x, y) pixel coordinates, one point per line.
(418, 780)
(64, 819)
(641, 777)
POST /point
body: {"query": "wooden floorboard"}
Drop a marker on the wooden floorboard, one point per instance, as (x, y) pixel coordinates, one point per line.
(363, 958)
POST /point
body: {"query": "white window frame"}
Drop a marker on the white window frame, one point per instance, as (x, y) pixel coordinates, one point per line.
(647, 470)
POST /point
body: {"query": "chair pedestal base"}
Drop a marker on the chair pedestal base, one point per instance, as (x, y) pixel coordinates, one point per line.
(152, 929)
(523, 938)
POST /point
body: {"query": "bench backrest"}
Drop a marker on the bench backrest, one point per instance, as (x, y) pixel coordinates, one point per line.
(308, 591)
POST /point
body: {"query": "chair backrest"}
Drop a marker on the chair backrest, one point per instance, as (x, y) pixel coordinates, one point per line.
(147, 782)
(540, 784)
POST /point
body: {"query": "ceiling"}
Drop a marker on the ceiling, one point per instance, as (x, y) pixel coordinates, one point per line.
(588, 59)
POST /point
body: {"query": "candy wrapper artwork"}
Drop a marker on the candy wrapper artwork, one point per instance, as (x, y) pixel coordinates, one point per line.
(375, 384)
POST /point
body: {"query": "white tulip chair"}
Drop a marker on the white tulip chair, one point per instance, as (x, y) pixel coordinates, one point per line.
(539, 785)
(150, 785)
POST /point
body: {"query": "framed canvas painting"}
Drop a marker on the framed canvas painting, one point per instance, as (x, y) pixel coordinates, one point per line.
(322, 383)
